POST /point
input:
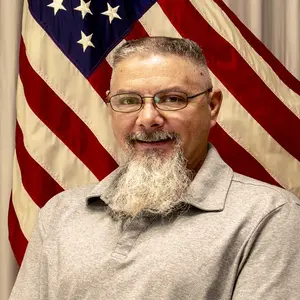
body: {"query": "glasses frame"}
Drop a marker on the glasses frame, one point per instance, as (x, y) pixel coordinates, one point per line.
(153, 102)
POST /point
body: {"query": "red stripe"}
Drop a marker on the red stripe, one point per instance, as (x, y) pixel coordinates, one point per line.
(291, 81)
(16, 237)
(63, 121)
(100, 78)
(231, 69)
(237, 157)
(36, 181)
(137, 32)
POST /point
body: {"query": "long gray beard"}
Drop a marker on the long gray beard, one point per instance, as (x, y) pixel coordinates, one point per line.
(151, 183)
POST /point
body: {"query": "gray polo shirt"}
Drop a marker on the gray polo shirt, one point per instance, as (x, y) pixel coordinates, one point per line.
(239, 240)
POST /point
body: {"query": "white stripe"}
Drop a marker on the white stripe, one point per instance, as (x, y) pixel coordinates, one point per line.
(52, 154)
(236, 121)
(162, 26)
(66, 81)
(26, 209)
(219, 21)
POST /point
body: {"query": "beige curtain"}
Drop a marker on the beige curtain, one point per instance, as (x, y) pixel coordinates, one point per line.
(275, 22)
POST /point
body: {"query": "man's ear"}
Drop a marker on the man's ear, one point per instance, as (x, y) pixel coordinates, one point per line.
(216, 98)
(108, 105)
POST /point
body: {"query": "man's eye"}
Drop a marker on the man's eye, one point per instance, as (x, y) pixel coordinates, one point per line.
(129, 101)
(171, 99)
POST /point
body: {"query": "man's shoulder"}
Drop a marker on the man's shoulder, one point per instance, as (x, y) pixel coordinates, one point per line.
(66, 203)
(253, 190)
(71, 197)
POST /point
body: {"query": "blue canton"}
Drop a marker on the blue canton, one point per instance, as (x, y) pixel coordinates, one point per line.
(66, 25)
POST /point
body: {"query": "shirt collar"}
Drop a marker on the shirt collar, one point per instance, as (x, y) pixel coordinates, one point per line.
(208, 190)
(211, 184)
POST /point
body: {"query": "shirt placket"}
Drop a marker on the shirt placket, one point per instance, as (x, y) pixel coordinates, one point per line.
(129, 237)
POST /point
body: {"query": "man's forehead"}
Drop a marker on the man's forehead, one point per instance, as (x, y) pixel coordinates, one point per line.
(157, 68)
(142, 64)
(154, 59)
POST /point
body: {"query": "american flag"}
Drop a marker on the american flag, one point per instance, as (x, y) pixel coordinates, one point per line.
(63, 134)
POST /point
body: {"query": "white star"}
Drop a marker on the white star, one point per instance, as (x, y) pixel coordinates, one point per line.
(111, 12)
(85, 41)
(57, 5)
(84, 8)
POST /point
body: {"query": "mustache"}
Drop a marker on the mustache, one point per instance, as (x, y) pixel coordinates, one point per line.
(154, 136)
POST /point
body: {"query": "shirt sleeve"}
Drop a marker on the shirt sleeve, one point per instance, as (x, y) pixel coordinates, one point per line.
(27, 284)
(270, 268)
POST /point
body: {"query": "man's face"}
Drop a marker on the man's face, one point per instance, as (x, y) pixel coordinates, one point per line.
(148, 75)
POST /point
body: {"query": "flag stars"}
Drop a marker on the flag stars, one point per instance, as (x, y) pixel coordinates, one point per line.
(111, 12)
(56, 5)
(85, 41)
(84, 8)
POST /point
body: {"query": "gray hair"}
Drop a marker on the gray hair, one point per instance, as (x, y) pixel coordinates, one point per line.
(161, 45)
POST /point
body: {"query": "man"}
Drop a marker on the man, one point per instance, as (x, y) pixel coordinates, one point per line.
(173, 222)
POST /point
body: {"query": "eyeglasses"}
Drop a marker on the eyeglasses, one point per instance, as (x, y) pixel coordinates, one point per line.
(169, 101)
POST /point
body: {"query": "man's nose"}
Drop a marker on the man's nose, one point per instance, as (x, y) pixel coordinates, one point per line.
(149, 116)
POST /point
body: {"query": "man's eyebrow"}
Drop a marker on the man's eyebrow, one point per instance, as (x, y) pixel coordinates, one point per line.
(166, 90)
(125, 91)
(175, 88)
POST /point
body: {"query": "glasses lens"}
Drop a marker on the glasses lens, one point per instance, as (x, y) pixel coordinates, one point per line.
(126, 102)
(171, 101)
